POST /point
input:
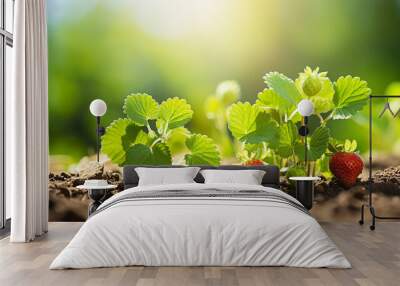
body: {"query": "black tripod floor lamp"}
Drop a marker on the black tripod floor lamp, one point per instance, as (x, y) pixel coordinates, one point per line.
(98, 108)
(370, 205)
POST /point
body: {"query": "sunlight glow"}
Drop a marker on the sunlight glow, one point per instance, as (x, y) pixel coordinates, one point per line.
(176, 18)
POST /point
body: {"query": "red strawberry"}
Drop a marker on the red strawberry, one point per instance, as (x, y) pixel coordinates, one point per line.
(346, 166)
(254, 162)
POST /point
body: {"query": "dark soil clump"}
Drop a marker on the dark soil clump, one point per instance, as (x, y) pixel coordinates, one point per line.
(66, 201)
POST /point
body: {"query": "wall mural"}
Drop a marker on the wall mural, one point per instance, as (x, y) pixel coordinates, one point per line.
(171, 100)
(263, 132)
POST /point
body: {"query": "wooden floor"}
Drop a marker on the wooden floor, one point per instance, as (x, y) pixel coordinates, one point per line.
(375, 257)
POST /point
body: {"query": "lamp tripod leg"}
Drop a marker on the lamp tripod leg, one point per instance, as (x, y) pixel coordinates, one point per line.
(372, 210)
(361, 221)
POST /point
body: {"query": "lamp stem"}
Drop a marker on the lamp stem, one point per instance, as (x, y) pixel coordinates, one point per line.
(98, 138)
(305, 141)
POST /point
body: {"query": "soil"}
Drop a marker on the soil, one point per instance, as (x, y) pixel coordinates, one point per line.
(66, 201)
(332, 202)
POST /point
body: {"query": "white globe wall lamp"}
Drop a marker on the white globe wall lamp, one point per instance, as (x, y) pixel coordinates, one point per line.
(98, 108)
(306, 109)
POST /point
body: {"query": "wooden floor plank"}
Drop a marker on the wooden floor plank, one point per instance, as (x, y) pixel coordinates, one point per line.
(375, 257)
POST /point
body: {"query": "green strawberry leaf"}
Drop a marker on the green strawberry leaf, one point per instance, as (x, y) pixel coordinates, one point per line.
(120, 134)
(242, 118)
(176, 139)
(269, 99)
(267, 130)
(317, 145)
(351, 94)
(174, 113)
(349, 110)
(140, 107)
(161, 154)
(319, 142)
(250, 124)
(287, 139)
(140, 154)
(203, 151)
(283, 86)
(299, 150)
(143, 138)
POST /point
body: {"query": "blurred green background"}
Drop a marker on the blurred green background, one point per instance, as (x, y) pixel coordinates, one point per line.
(110, 48)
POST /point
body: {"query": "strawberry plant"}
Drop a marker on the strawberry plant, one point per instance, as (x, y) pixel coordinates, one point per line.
(151, 132)
(267, 130)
